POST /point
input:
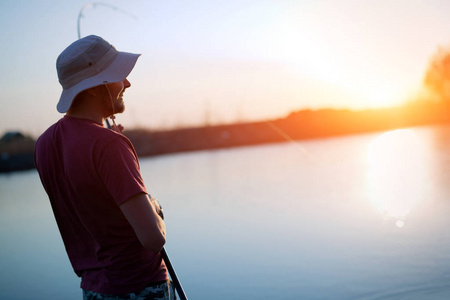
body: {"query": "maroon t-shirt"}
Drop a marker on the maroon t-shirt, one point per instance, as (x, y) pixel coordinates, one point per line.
(87, 172)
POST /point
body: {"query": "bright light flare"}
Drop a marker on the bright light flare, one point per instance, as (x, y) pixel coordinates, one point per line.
(396, 175)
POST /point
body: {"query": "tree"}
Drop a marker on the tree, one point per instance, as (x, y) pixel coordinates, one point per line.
(437, 77)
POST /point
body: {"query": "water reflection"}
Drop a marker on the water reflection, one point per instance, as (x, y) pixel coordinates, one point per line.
(297, 229)
(396, 175)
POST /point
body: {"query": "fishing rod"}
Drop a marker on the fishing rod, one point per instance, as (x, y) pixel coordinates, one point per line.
(165, 256)
(94, 4)
(173, 275)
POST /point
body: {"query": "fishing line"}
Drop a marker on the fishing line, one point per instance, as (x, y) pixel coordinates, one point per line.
(289, 139)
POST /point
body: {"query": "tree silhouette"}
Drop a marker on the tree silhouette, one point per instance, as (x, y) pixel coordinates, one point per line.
(437, 77)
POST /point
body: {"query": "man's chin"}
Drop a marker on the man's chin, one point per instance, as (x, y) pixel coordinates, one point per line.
(118, 109)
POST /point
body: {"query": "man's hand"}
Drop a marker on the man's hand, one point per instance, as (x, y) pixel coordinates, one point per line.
(120, 127)
(117, 128)
(157, 206)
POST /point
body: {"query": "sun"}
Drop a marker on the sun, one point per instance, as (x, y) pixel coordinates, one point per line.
(382, 97)
(376, 92)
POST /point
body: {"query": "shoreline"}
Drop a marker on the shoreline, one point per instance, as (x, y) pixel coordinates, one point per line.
(16, 150)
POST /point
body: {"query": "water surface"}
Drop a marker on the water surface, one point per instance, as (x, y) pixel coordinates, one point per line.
(356, 217)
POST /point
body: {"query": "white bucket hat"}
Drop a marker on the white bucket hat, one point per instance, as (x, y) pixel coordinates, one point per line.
(89, 62)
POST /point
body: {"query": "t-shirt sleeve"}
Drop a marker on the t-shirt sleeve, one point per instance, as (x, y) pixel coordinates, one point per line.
(119, 169)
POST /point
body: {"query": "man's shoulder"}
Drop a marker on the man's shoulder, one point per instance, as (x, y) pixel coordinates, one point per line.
(116, 140)
(48, 133)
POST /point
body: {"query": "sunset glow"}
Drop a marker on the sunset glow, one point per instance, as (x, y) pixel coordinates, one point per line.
(218, 62)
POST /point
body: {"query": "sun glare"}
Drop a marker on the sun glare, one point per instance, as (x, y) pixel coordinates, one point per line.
(381, 98)
(383, 92)
(396, 174)
(344, 88)
(349, 78)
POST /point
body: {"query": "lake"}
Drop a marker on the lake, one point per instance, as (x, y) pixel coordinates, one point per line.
(354, 217)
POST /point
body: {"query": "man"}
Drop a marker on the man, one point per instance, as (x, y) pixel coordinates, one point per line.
(112, 229)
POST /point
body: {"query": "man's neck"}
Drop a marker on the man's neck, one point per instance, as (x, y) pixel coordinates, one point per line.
(99, 119)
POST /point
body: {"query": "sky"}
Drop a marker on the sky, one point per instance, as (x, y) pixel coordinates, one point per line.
(215, 62)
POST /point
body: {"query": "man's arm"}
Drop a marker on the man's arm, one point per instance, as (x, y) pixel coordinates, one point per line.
(142, 213)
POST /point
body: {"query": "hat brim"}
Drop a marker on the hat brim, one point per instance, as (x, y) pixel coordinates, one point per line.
(117, 71)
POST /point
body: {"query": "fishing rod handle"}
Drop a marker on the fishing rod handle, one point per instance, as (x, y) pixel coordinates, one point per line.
(173, 275)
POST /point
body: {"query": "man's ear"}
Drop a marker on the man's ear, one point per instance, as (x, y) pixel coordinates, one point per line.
(95, 91)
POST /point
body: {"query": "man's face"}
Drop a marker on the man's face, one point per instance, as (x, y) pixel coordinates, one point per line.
(114, 98)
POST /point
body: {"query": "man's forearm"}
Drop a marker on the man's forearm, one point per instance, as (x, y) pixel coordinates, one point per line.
(143, 216)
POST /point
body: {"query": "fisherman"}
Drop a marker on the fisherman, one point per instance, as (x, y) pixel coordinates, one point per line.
(112, 229)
